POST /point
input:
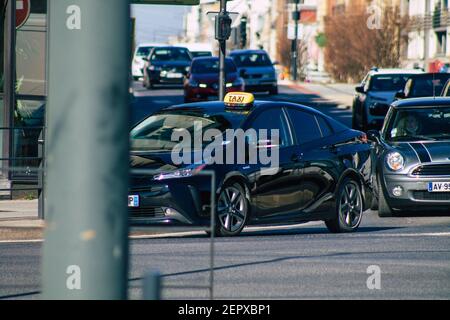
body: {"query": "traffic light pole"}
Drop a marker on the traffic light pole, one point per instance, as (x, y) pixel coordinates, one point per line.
(222, 54)
(86, 240)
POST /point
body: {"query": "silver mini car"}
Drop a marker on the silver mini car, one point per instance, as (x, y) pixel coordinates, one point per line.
(413, 157)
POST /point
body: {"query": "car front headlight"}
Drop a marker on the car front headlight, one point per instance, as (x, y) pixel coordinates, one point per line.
(395, 161)
(180, 173)
(237, 83)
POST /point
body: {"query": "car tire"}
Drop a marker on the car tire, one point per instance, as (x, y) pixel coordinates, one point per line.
(232, 211)
(349, 208)
(364, 126)
(384, 211)
(355, 125)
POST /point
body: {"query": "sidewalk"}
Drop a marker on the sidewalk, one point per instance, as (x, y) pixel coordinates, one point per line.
(339, 93)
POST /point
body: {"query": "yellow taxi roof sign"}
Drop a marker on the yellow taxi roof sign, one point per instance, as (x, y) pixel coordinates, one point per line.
(239, 99)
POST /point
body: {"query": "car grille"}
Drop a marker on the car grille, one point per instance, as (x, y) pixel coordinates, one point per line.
(175, 69)
(149, 212)
(431, 196)
(432, 170)
(379, 109)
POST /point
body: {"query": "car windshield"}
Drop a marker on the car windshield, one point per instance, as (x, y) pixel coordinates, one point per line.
(390, 82)
(428, 87)
(252, 60)
(420, 124)
(143, 51)
(160, 131)
(212, 66)
(170, 54)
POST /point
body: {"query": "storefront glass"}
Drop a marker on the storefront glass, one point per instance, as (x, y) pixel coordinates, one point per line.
(29, 111)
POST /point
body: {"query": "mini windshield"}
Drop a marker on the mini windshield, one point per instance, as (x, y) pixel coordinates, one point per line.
(212, 66)
(252, 60)
(170, 54)
(417, 124)
(158, 132)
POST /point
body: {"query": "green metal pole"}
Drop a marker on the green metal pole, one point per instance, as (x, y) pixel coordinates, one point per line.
(86, 249)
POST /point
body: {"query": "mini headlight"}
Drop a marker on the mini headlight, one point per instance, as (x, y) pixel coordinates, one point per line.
(395, 161)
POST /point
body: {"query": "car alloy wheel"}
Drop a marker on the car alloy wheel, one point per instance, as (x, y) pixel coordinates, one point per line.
(232, 209)
(350, 205)
(349, 208)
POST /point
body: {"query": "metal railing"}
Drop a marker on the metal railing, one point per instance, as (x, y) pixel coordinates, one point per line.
(35, 182)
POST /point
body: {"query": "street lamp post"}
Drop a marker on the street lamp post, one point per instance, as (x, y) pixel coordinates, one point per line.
(85, 252)
(222, 54)
(296, 16)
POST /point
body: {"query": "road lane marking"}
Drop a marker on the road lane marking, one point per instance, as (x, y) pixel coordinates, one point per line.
(249, 229)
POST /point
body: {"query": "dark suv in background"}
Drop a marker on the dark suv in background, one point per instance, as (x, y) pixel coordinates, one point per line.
(166, 65)
(375, 94)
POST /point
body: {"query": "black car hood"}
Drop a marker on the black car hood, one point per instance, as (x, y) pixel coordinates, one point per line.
(213, 77)
(425, 151)
(156, 161)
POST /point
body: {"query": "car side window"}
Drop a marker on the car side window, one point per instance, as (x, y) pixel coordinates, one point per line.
(324, 127)
(273, 119)
(306, 126)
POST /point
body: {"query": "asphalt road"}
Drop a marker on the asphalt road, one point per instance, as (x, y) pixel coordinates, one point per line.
(294, 262)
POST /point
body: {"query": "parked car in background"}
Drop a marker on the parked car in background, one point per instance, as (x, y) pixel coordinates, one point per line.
(257, 70)
(423, 85)
(198, 49)
(413, 157)
(167, 65)
(375, 94)
(202, 82)
(142, 51)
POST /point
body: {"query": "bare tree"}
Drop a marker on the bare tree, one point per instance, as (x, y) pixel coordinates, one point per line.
(353, 46)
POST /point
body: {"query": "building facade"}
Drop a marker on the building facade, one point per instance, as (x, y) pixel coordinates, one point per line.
(429, 45)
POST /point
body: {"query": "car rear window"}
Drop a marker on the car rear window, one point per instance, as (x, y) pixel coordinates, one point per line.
(390, 82)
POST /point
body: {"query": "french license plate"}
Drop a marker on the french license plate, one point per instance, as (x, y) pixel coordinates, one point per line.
(174, 75)
(133, 201)
(439, 187)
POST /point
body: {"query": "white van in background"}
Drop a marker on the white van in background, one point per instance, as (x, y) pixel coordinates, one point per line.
(197, 49)
(142, 51)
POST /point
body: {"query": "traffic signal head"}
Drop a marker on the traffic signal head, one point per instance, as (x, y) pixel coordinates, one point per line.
(223, 27)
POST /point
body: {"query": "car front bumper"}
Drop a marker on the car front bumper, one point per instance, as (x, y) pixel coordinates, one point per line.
(415, 194)
(181, 202)
(260, 85)
(204, 94)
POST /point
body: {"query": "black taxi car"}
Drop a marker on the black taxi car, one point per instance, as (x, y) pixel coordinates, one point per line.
(413, 158)
(323, 169)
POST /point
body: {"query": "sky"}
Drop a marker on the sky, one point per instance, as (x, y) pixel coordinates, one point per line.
(155, 23)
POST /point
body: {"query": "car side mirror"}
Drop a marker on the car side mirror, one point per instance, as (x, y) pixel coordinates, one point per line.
(400, 95)
(275, 63)
(360, 89)
(374, 135)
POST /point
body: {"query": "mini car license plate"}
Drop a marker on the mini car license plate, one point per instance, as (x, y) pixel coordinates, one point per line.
(133, 201)
(439, 187)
